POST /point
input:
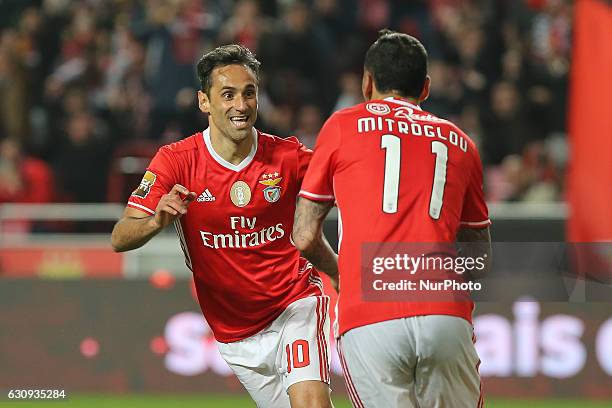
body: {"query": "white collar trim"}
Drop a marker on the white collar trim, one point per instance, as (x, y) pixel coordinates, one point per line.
(235, 167)
(401, 102)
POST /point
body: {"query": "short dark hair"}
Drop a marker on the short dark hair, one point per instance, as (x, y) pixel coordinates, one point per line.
(397, 62)
(222, 56)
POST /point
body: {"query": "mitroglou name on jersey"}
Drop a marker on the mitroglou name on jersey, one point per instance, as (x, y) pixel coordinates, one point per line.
(366, 125)
(238, 239)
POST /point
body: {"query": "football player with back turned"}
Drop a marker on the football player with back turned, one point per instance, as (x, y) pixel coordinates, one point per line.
(398, 175)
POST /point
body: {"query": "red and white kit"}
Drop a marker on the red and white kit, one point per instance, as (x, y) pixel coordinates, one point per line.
(398, 174)
(236, 240)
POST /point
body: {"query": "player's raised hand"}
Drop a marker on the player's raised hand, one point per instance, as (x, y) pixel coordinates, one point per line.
(172, 206)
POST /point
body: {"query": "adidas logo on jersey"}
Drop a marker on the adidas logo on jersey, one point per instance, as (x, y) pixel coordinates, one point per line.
(206, 196)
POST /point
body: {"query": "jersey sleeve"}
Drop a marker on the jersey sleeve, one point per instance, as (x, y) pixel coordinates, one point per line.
(158, 180)
(475, 213)
(304, 155)
(318, 182)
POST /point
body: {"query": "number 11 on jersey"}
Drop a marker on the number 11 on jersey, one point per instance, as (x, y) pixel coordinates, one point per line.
(393, 153)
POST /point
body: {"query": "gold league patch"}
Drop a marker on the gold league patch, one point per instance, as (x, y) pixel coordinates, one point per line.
(145, 185)
(240, 193)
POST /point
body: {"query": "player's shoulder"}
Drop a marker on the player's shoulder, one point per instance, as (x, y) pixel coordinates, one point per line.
(451, 126)
(368, 109)
(472, 147)
(183, 146)
(277, 143)
(341, 118)
(350, 112)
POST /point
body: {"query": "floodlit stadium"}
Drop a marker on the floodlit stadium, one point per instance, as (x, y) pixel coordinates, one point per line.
(91, 89)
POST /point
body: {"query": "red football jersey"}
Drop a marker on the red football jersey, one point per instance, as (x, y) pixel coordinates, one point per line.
(236, 234)
(398, 174)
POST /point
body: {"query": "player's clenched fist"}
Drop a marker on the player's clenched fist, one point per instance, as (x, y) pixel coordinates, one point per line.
(171, 206)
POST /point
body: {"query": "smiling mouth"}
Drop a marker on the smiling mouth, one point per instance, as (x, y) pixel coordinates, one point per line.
(239, 121)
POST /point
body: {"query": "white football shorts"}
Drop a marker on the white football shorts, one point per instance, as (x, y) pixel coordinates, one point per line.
(294, 348)
(415, 362)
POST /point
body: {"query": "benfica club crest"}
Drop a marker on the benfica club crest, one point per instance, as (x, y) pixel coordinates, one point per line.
(272, 192)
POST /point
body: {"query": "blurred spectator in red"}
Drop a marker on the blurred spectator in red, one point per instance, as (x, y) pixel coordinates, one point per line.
(23, 179)
(531, 176)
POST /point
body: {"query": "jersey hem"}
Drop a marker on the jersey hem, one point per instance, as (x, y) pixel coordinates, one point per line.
(475, 224)
(315, 197)
(311, 291)
(250, 333)
(141, 207)
(464, 314)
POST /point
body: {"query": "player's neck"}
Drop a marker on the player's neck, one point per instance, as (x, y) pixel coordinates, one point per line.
(231, 151)
(382, 95)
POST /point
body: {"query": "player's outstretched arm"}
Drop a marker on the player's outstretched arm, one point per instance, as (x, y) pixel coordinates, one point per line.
(136, 227)
(474, 243)
(309, 239)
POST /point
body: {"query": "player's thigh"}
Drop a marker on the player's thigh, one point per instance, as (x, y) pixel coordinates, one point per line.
(253, 360)
(378, 361)
(447, 368)
(310, 394)
(304, 349)
(266, 390)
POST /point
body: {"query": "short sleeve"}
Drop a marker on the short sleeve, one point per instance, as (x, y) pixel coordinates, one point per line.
(158, 180)
(303, 160)
(475, 213)
(318, 182)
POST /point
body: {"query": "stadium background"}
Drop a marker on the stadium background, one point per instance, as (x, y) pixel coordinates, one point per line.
(90, 89)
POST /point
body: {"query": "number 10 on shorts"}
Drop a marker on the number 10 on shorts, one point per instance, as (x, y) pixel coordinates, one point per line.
(298, 355)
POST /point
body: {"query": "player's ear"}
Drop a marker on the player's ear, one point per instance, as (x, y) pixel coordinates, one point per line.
(367, 85)
(203, 102)
(425, 92)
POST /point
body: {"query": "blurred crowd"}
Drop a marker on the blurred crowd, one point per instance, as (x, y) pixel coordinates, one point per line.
(89, 89)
